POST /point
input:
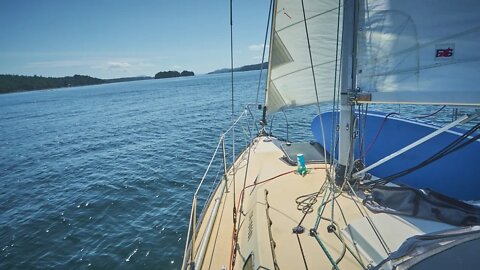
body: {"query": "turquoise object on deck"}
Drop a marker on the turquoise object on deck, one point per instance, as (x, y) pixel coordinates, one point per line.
(301, 165)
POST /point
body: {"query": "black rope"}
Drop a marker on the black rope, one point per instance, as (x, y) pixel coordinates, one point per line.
(301, 250)
(432, 114)
(306, 208)
(362, 133)
(378, 132)
(310, 54)
(305, 202)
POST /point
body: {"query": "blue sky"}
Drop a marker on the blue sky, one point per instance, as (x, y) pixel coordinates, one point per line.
(120, 38)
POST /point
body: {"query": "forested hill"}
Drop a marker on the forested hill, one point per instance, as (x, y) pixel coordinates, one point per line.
(16, 83)
(243, 68)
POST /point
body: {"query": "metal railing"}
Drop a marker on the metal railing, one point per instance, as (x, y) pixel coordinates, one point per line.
(193, 256)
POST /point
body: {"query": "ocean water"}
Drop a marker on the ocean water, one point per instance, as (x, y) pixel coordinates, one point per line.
(102, 177)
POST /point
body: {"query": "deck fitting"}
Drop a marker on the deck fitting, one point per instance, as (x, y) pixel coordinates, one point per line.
(331, 228)
(298, 230)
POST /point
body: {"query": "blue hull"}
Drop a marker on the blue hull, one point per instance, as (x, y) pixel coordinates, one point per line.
(456, 175)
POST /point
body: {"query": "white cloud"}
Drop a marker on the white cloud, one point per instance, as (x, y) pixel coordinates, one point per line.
(256, 47)
(59, 64)
(118, 65)
(101, 67)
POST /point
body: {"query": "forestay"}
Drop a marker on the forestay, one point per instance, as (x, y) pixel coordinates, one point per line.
(412, 53)
(290, 76)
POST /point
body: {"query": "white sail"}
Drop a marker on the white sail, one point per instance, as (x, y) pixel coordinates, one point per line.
(290, 79)
(412, 53)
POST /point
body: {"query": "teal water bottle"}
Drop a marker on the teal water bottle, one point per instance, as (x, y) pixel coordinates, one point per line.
(301, 165)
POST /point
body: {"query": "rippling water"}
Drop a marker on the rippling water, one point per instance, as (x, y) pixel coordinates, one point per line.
(103, 176)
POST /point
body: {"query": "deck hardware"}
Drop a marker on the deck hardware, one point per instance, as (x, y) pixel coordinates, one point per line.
(331, 228)
(298, 229)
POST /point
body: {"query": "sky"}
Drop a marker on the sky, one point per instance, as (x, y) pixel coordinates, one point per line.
(123, 38)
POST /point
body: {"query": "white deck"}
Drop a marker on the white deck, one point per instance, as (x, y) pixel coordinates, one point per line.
(284, 185)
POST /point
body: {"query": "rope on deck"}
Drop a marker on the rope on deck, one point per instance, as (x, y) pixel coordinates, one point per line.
(272, 242)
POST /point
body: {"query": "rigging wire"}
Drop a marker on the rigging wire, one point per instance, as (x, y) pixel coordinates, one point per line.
(369, 219)
(264, 49)
(231, 53)
(452, 147)
(314, 79)
(234, 210)
(356, 255)
(334, 264)
(273, 8)
(336, 92)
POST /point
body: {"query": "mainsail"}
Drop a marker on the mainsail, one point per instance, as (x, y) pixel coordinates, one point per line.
(406, 52)
(412, 53)
(290, 77)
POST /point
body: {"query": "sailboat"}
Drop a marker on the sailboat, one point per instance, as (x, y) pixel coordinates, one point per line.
(321, 205)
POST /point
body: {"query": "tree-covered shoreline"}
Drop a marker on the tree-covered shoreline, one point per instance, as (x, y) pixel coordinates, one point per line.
(18, 83)
(242, 68)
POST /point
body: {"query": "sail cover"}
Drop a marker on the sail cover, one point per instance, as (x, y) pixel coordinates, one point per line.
(419, 51)
(290, 77)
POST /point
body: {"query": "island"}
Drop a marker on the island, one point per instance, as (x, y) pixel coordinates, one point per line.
(173, 74)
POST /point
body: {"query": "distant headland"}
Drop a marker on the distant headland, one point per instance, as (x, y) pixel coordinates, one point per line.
(19, 83)
(242, 68)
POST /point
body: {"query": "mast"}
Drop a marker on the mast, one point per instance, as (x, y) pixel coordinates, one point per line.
(347, 84)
